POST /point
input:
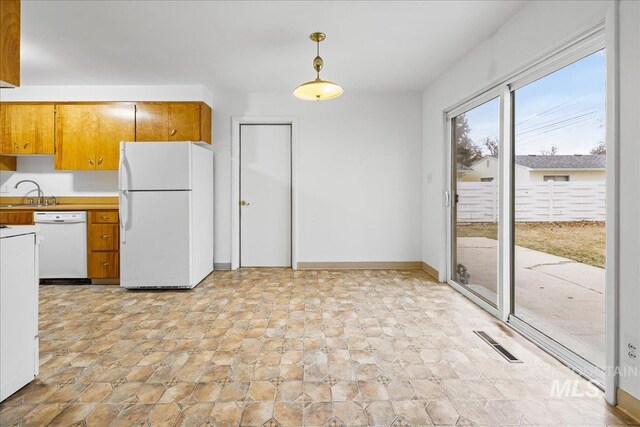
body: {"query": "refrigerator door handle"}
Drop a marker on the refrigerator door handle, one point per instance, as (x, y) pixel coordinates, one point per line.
(122, 197)
(124, 214)
(122, 167)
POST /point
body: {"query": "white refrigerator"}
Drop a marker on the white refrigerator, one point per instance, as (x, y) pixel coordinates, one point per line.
(166, 214)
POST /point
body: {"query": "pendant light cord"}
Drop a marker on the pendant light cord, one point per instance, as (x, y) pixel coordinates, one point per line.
(317, 54)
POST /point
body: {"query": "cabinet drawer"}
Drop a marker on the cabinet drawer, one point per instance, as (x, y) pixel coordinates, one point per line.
(103, 237)
(104, 217)
(16, 217)
(104, 265)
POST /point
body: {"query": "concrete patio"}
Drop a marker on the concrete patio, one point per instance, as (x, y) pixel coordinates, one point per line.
(562, 298)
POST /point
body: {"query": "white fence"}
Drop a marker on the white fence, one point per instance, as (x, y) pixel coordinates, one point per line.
(535, 201)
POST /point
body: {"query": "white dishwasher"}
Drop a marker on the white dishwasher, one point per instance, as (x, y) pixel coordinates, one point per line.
(63, 248)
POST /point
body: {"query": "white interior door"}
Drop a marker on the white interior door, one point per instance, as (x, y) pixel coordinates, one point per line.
(265, 195)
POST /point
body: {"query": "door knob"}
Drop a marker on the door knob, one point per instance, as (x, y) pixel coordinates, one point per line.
(243, 203)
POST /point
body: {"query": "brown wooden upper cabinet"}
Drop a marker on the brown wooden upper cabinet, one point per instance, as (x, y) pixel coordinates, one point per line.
(173, 121)
(27, 128)
(9, 43)
(8, 163)
(88, 135)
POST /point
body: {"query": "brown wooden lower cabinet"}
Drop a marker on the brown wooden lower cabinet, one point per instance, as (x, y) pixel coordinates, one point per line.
(103, 217)
(103, 245)
(103, 237)
(104, 265)
(16, 217)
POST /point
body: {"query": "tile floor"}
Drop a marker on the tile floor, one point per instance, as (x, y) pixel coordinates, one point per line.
(275, 347)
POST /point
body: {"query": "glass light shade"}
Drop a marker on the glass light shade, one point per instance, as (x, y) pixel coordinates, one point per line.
(318, 90)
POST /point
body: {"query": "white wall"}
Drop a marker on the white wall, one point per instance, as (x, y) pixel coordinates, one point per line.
(57, 183)
(81, 183)
(535, 29)
(629, 184)
(359, 161)
(109, 93)
(359, 173)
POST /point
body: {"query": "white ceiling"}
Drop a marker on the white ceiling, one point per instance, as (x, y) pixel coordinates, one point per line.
(251, 46)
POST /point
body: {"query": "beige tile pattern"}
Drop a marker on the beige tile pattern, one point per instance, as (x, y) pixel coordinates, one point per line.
(274, 347)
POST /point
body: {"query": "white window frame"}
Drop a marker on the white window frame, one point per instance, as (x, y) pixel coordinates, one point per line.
(451, 203)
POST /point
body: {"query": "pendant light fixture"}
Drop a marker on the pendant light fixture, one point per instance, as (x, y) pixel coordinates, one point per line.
(318, 89)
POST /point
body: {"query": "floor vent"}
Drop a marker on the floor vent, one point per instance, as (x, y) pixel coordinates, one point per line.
(497, 347)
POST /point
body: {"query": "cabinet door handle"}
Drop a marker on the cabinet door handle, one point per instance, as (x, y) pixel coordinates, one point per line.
(17, 148)
(90, 161)
(100, 160)
(105, 264)
(173, 132)
(25, 145)
(104, 236)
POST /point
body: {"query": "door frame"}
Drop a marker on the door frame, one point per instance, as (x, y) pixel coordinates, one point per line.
(236, 122)
(603, 33)
(451, 208)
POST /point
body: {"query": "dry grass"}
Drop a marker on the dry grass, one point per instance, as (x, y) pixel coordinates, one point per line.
(581, 241)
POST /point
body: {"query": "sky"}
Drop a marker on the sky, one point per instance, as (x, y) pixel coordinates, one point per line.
(564, 109)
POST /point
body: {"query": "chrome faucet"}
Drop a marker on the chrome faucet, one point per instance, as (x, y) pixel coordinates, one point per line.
(39, 201)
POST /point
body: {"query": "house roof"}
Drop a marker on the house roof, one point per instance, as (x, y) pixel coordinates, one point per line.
(560, 161)
(473, 166)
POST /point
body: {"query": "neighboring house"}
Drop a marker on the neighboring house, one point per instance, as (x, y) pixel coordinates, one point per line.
(533, 167)
(462, 170)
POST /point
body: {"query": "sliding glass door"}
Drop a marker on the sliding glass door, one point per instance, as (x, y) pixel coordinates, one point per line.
(475, 162)
(559, 206)
(527, 207)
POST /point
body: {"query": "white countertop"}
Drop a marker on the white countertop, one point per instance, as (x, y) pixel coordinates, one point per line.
(17, 230)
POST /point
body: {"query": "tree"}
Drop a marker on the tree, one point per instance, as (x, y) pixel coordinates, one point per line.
(467, 152)
(601, 148)
(550, 152)
(492, 146)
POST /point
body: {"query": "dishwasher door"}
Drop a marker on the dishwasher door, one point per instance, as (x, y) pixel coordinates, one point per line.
(63, 248)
